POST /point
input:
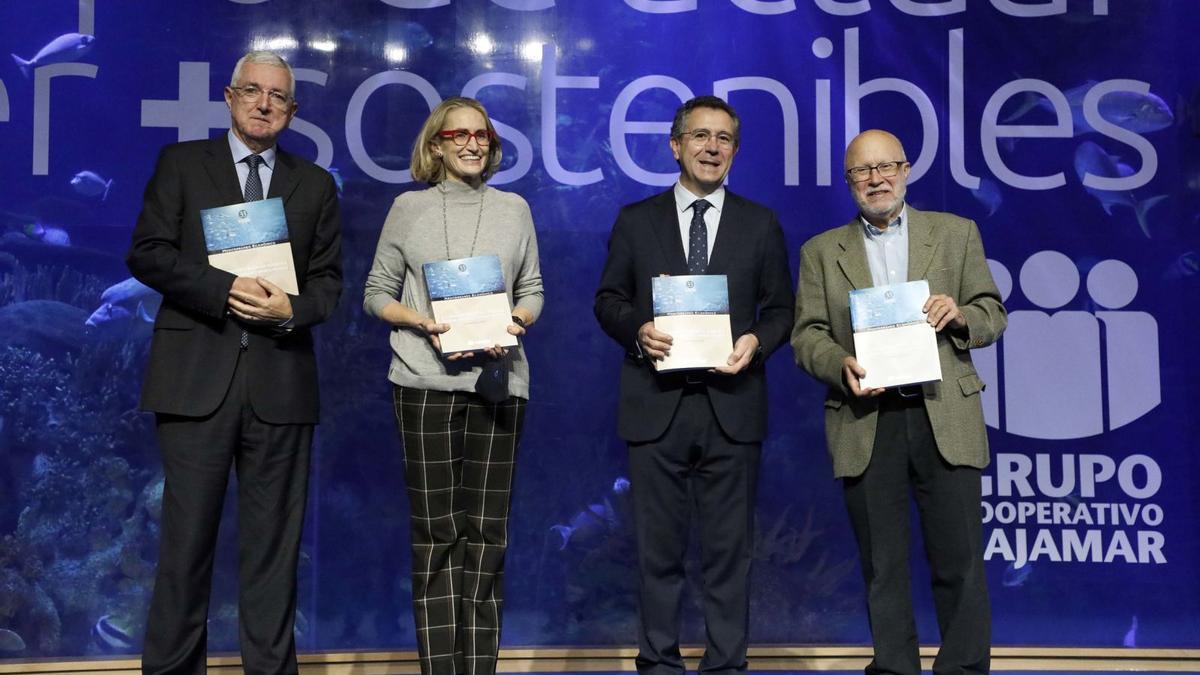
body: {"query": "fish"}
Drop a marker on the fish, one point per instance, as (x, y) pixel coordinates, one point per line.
(127, 300)
(988, 194)
(111, 635)
(62, 49)
(300, 625)
(597, 518)
(1187, 265)
(1130, 639)
(1015, 577)
(48, 234)
(588, 523)
(128, 290)
(41, 465)
(1131, 110)
(338, 181)
(10, 641)
(1091, 158)
(90, 184)
(107, 313)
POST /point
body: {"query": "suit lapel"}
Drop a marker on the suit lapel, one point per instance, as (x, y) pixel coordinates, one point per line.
(920, 244)
(666, 229)
(853, 259)
(218, 163)
(717, 257)
(283, 178)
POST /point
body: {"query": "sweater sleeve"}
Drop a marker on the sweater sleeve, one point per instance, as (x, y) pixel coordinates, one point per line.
(528, 292)
(385, 281)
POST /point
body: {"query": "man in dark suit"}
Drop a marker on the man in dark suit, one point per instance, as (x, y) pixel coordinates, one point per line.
(926, 439)
(232, 376)
(695, 435)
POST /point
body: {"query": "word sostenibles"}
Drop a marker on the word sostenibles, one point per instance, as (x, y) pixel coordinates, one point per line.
(195, 114)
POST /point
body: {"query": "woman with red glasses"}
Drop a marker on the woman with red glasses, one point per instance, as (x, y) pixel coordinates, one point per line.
(460, 415)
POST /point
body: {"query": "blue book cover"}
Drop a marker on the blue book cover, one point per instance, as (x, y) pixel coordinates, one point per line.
(241, 226)
(888, 306)
(464, 277)
(690, 294)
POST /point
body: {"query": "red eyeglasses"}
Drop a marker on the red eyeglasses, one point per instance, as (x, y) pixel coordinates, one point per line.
(461, 137)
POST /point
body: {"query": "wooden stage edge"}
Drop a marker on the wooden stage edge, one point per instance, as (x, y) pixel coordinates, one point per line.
(594, 659)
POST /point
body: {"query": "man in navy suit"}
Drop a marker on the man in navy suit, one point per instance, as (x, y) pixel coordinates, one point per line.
(232, 377)
(697, 435)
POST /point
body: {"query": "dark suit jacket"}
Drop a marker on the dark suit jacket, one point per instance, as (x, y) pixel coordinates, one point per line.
(945, 250)
(195, 345)
(750, 251)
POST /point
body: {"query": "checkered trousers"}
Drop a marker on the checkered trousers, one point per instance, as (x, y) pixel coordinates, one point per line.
(459, 453)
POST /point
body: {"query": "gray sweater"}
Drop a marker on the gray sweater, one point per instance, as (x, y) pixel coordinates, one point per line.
(413, 234)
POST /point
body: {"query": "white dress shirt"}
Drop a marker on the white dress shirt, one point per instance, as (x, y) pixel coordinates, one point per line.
(712, 217)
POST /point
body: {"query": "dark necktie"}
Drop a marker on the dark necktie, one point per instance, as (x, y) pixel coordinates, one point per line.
(252, 192)
(698, 239)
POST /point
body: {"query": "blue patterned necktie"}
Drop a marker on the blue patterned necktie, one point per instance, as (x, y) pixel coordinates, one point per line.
(252, 192)
(698, 239)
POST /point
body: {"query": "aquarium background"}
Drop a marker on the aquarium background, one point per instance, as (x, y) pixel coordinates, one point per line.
(1091, 393)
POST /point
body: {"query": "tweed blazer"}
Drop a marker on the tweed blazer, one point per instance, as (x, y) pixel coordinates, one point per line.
(943, 249)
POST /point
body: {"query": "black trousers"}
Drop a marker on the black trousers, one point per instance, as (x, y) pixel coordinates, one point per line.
(459, 455)
(271, 461)
(694, 461)
(905, 460)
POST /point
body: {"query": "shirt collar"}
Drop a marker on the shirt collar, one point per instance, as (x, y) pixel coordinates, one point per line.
(684, 198)
(241, 152)
(897, 225)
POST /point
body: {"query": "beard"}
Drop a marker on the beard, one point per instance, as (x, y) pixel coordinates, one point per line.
(881, 211)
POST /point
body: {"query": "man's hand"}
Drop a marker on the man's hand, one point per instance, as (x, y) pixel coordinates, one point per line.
(941, 311)
(259, 301)
(743, 353)
(655, 343)
(853, 373)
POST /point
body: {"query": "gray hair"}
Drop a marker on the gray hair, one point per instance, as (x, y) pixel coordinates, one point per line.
(266, 58)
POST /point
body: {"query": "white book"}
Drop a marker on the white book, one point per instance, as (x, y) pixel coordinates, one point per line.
(251, 240)
(468, 294)
(892, 340)
(694, 311)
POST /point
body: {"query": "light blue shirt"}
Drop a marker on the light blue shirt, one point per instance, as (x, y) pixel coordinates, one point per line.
(887, 250)
(712, 217)
(241, 152)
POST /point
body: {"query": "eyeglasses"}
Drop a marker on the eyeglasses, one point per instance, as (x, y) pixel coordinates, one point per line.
(702, 136)
(461, 137)
(861, 174)
(251, 93)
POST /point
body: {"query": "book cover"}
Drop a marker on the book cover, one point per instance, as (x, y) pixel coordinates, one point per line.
(251, 240)
(892, 340)
(468, 294)
(694, 310)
